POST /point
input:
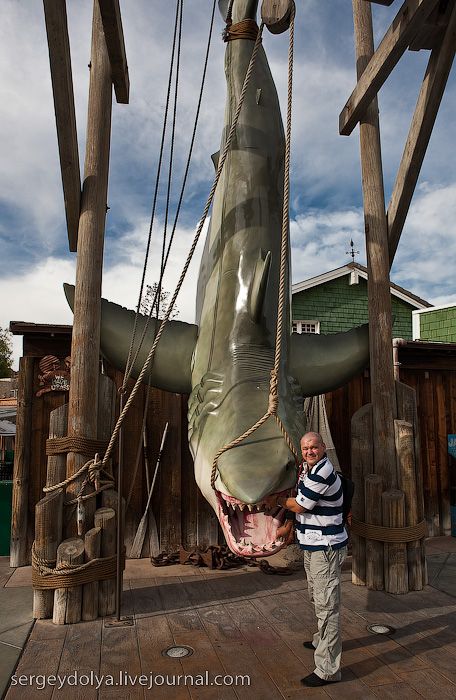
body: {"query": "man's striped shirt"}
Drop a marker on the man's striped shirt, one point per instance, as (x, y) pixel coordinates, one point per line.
(320, 493)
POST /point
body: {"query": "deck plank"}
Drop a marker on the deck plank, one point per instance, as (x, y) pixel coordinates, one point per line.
(236, 654)
(283, 666)
(81, 651)
(41, 660)
(154, 636)
(242, 622)
(119, 656)
(430, 684)
(204, 664)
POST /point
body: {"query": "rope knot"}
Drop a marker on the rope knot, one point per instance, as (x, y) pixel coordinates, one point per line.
(94, 467)
(273, 393)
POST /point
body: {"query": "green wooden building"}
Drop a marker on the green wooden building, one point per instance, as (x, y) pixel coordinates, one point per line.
(337, 301)
(435, 324)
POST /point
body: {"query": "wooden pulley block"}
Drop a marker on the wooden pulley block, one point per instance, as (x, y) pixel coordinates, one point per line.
(276, 14)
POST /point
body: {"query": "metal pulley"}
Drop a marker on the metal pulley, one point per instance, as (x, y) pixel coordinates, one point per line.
(276, 15)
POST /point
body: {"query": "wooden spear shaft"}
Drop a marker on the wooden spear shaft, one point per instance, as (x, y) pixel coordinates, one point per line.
(85, 347)
(379, 294)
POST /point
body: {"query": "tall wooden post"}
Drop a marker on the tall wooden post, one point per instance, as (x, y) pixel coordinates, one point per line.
(18, 549)
(85, 348)
(380, 324)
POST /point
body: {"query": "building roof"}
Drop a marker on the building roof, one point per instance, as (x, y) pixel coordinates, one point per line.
(355, 270)
(26, 327)
(7, 428)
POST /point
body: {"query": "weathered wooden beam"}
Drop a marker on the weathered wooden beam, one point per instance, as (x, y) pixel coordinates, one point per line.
(65, 117)
(401, 31)
(112, 27)
(22, 463)
(433, 28)
(85, 344)
(423, 121)
(378, 284)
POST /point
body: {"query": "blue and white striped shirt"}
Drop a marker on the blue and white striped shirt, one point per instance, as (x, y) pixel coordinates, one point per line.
(320, 493)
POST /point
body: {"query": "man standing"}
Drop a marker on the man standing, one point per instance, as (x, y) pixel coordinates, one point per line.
(322, 536)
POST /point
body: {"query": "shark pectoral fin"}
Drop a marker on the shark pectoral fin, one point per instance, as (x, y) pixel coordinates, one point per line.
(258, 286)
(323, 363)
(171, 368)
(215, 157)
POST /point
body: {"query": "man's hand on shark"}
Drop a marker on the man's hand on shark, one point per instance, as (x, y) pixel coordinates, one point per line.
(286, 532)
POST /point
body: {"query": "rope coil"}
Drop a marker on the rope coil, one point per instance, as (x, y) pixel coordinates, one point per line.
(65, 575)
(246, 29)
(389, 534)
(82, 445)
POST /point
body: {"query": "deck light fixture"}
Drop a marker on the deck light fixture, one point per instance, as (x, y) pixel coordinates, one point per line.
(177, 652)
(379, 628)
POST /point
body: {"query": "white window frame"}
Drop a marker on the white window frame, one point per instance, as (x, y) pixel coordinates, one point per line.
(300, 325)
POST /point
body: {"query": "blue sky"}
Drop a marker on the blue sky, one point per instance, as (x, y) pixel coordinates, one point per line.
(326, 201)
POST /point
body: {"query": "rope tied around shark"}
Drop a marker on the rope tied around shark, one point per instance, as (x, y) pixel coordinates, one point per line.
(246, 29)
(273, 402)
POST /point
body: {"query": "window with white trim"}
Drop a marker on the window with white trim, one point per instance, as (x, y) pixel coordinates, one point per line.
(305, 326)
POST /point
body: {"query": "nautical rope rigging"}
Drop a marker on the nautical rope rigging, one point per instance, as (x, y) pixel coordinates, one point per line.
(179, 204)
(273, 393)
(164, 261)
(157, 182)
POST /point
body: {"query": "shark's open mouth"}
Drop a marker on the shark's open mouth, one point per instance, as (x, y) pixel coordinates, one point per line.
(250, 530)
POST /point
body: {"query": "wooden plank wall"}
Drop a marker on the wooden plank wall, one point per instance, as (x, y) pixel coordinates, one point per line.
(436, 402)
(182, 514)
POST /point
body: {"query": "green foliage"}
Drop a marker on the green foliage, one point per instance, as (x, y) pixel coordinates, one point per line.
(6, 353)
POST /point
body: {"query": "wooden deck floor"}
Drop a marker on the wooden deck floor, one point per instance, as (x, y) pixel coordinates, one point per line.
(244, 622)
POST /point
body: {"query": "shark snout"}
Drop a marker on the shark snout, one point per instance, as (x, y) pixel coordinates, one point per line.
(258, 467)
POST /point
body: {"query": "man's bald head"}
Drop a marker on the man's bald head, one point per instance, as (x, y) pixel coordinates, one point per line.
(312, 447)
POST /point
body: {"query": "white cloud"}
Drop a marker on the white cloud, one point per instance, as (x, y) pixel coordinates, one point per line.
(37, 295)
(326, 179)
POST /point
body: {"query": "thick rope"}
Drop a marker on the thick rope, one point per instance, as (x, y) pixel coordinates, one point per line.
(65, 575)
(274, 379)
(246, 29)
(191, 252)
(389, 534)
(94, 470)
(81, 445)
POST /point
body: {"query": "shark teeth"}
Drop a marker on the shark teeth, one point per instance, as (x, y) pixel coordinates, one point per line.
(252, 507)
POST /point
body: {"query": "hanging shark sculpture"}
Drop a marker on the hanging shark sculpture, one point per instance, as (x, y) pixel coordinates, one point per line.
(223, 361)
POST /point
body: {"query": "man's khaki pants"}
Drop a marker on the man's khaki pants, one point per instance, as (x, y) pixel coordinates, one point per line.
(323, 571)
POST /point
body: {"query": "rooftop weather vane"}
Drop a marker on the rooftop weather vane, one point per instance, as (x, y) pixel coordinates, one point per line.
(352, 252)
